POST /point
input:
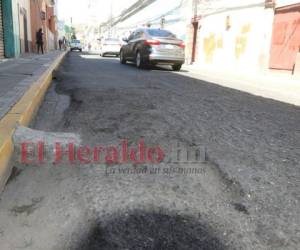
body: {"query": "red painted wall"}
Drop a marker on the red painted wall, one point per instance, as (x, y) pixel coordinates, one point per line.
(286, 38)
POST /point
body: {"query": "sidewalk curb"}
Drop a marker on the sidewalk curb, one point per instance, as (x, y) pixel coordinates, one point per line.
(22, 113)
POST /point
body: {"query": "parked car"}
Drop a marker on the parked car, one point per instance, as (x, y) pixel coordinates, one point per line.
(76, 45)
(148, 46)
(110, 46)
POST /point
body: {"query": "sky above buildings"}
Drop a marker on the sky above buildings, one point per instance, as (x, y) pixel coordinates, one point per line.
(85, 11)
(89, 11)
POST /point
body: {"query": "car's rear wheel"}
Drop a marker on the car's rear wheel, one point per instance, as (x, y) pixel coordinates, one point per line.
(177, 67)
(139, 61)
(122, 58)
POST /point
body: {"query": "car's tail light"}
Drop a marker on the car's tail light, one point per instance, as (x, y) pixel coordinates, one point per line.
(182, 45)
(152, 42)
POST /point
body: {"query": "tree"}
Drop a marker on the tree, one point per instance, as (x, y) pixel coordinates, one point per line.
(70, 32)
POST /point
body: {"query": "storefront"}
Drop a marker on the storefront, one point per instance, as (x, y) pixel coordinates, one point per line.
(286, 37)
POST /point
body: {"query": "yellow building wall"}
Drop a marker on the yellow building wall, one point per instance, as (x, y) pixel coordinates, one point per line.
(237, 40)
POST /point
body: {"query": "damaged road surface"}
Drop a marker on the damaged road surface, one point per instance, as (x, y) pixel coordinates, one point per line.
(240, 191)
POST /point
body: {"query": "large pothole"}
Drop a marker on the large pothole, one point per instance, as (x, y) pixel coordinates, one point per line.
(150, 230)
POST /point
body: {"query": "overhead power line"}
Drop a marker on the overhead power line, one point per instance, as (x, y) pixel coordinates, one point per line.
(138, 6)
(167, 13)
(129, 12)
(154, 20)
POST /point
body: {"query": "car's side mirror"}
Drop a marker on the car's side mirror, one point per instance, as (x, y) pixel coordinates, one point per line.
(125, 40)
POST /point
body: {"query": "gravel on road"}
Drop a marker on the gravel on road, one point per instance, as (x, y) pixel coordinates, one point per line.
(246, 195)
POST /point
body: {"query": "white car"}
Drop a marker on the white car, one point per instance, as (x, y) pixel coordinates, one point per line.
(76, 45)
(110, 46)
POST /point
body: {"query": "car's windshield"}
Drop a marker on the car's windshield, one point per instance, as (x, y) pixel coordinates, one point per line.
(160, 33)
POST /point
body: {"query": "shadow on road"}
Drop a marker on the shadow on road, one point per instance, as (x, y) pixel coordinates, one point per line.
(151, 230)
(154, 67)
(108, 58)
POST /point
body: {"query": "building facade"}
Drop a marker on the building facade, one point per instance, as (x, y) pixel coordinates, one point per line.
(253, 36)
(21, 12)
(16, 27)
(43, 16)
(19, 22)
(230, 36)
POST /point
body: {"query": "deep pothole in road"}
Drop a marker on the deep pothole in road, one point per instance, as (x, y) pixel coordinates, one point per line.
(151, 230)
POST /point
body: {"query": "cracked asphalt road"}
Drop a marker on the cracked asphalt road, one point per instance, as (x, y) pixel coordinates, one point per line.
(245, 197)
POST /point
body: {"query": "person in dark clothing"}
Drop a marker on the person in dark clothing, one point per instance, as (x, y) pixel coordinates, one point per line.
(40, 41)
(60, 43)
(64, 42)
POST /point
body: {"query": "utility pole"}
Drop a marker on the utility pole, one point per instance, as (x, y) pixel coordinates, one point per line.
(162, 22)
(111, 17)
(195, 24)
(195, 7)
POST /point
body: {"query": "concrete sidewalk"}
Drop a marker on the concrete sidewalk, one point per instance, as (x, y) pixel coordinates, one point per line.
(17, 75)
(23, 84)
(280, 87)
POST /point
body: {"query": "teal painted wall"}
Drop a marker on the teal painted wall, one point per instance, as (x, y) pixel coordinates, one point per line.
(11, 37)
(16, 27)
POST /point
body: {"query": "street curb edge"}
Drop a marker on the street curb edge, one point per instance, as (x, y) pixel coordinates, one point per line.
(22, 113)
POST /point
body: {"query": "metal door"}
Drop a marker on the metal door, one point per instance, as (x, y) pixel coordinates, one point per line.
(286, 38)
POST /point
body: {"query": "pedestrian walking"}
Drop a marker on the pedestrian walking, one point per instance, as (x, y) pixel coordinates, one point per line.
(60, 42)
(64, 42)
(40, 41)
